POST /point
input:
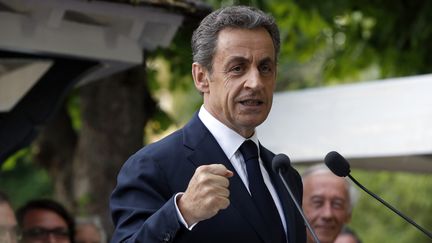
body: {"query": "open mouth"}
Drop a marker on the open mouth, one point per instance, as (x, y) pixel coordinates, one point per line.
(251, 102)
(325, 227)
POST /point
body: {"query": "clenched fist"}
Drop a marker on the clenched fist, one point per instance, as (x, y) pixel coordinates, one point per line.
(206, 194)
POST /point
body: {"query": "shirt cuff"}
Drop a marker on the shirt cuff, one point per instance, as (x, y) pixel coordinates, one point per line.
(180, 216)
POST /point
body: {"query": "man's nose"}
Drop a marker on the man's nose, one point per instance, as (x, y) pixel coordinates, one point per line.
(52, 238)
(254, 79)
(9, 237)
(327, 211)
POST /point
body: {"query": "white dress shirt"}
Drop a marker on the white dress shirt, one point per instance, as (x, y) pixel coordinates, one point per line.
(230, 142)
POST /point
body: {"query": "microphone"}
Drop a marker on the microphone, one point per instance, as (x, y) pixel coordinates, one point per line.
(340, 167)
(280, 165)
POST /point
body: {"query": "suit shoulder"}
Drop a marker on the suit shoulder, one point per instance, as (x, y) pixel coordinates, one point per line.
(168, 145)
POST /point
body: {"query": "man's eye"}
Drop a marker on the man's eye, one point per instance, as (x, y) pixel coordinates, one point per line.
(237, 69)
(265, 69)
(338, 205)
(317, 204)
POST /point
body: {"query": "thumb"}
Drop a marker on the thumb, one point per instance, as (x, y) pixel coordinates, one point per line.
(229, 174)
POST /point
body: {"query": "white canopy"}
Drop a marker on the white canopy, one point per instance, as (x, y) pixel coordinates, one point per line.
(384, 124)
(112, 34)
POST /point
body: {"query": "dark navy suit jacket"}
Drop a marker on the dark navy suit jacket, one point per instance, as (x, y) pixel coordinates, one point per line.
(142, 204)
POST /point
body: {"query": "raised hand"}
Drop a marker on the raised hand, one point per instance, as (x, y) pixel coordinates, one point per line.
(206, 194)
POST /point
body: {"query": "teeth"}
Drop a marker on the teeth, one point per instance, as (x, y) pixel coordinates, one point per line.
(251, 102)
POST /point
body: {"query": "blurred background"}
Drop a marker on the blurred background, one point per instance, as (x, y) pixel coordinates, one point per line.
(73, 153)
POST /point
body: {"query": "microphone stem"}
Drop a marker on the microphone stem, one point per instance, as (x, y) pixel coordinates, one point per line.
(299, 209)
(391, 207)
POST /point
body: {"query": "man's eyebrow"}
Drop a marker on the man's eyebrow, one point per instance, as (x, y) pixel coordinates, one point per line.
(317, 197)
(237, 59)
(234, 60)
(266, 60)
(338, 199)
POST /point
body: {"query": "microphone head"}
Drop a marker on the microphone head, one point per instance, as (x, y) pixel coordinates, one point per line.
(280, 162)
(337, 164)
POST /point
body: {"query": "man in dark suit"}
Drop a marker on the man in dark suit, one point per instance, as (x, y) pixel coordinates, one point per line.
(211, 181)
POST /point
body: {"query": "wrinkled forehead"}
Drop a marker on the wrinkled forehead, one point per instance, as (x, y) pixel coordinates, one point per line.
(235, 38)
(326, 183)
(325, 173)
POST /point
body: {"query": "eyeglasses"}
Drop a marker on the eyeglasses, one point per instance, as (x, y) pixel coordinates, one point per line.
(11, 232)
(43, 233)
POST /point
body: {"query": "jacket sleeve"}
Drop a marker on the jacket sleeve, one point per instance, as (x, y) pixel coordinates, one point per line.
(142, 205)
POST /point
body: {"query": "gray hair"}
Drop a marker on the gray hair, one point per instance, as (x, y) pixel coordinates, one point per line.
(351, 189)
(204, 38)
(96, 222)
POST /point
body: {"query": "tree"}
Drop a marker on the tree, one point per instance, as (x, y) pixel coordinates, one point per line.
(328, 42)
(83, 163)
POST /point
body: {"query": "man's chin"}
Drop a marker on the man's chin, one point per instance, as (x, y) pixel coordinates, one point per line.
(325, 237)
(253, 120)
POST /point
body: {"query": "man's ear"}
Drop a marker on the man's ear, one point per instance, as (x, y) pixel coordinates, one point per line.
(200, 77)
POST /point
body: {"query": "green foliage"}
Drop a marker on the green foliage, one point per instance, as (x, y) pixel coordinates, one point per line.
(330, 42)
(22, 180)
(170, 78)
(391, 34)
(304, 37)
(82, 203)
(74, 111)
(407, 192)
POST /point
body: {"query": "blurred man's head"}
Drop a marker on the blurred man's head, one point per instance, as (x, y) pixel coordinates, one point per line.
(89, 230)
(347, 236)
(45, 221)
(8, 223)
(327, 202)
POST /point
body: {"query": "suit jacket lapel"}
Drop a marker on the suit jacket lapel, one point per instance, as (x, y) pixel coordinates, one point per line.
(203, 150)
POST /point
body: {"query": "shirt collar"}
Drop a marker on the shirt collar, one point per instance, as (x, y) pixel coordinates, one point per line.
(229, 140)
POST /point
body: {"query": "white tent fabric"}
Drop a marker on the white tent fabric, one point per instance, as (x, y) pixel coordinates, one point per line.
(385, 124)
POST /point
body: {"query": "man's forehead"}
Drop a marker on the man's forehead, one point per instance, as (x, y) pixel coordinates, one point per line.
(45, 217)
(324, 175)
(325, 178)
(233, 38)
(326, 189)
(321, 195)
(325, 182)
(7, 216)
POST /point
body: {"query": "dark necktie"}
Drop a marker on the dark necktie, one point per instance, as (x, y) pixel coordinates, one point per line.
(259, 192)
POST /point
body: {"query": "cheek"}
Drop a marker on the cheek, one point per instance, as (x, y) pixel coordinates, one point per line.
(315, 213)
(310, 212)
(342, 216)
(270, 85)
(232, 92)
